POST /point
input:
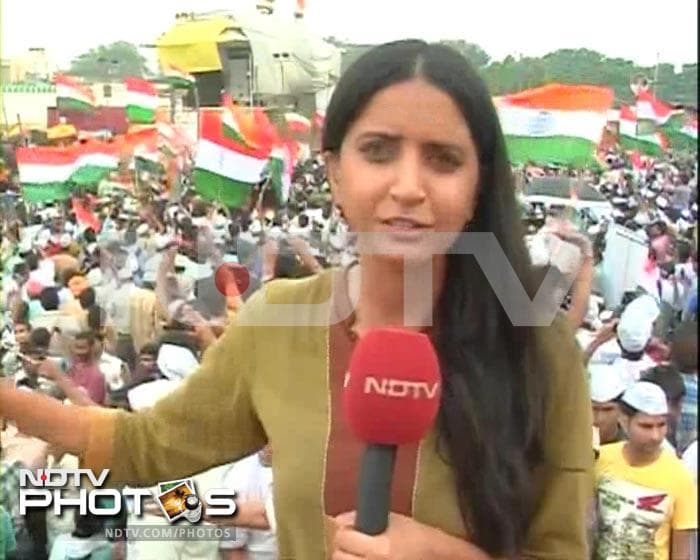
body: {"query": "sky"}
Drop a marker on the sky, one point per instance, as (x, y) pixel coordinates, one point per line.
(620, 28)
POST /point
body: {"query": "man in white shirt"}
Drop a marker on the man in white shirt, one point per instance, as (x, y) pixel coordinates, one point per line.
(624, 344)
(119, 316)
(251, 478)
(633, 335)
(113, 369)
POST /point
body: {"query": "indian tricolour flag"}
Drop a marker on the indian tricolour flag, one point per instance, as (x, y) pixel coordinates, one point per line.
(72, 94)
(298, 123)
(556, 123)
(45, 172)
(225, 170)
(280, 167)
(149, 160)
(652, 144)
(657, 116)
(93, 161)
(178, 78)
(49, 173)
(237, 125)
(652, 112)
(690, 129)
(142, 101)
(683, 134)
(319, 118)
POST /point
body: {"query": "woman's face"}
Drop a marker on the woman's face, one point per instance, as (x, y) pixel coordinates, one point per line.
(408, 167)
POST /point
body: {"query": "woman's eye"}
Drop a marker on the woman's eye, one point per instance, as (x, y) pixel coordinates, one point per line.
(444, 160)
(378, 151)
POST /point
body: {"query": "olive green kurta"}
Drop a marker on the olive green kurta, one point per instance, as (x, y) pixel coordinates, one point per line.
(263, 383)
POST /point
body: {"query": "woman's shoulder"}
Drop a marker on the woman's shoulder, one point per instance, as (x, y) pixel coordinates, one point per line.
(311, 289)
(304, 302)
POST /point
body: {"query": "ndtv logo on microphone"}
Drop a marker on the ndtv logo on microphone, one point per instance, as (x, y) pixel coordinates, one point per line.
(177, 499)
(398, 388)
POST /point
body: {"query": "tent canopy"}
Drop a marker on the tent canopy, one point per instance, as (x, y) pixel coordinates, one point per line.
(193, 45)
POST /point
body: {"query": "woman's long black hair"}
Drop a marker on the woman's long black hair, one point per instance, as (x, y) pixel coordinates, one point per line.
(494, 374)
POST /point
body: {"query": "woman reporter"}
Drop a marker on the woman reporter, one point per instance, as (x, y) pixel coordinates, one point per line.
(413, 148)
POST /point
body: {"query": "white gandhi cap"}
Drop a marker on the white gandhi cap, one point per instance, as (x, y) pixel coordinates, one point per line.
(646, 397)
(606, 383)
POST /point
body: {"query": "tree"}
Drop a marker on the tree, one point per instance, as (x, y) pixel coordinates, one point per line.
(569, 66)
(473, 53)
(109, 62)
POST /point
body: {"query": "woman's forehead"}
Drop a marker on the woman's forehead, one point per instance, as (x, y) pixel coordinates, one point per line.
(413, 109)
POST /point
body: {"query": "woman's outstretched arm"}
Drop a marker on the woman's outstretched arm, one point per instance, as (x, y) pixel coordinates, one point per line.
(45, 418)
(208, 420)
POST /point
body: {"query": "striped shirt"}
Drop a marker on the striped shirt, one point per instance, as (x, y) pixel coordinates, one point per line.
(687, 431)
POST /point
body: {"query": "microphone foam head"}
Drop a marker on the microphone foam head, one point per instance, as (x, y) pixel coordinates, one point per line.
(392, 387)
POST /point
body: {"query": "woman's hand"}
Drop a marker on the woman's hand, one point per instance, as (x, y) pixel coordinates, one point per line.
(404, 539)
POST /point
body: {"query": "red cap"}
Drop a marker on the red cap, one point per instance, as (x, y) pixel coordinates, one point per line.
(392, 388)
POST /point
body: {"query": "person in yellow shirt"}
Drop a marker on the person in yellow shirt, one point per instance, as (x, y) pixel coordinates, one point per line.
(647, 500)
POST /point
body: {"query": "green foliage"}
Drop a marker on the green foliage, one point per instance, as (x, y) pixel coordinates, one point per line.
(109, 63)
(473, 53)
(571, 66)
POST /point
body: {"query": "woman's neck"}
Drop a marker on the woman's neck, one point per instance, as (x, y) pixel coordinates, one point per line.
(386, 293)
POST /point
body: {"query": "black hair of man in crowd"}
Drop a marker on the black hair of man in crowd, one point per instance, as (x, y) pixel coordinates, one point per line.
(49, 299)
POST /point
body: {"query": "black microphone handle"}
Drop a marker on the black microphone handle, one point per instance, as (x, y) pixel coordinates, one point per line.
(374, 489)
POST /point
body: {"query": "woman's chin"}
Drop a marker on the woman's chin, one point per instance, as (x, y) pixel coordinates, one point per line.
(409, 246)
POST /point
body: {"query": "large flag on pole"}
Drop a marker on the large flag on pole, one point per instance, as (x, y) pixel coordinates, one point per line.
(556, 123)
(72, 94)
(224, 170)
(142, 101)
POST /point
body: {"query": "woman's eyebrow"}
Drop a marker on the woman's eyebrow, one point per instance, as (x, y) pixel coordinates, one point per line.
(396, 137)
(379, 134)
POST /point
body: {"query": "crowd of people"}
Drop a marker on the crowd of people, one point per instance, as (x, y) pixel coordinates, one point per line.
(121, 314)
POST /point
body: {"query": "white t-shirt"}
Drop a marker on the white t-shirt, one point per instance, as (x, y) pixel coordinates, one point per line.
(112, 369)
(252, 481)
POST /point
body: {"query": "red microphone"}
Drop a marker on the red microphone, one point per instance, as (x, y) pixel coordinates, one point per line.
(391, 398)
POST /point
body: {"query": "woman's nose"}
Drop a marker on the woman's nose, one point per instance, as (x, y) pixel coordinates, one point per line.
(409, 182)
